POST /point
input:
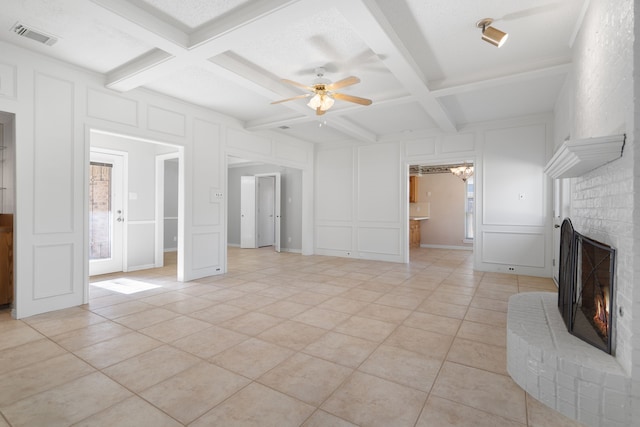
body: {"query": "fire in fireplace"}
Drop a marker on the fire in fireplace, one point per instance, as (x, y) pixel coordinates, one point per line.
(586, 287)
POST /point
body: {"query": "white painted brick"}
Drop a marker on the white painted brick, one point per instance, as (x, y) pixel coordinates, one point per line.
(592, 375)
(566, 409)
(616, 406)
(572, 375)
(616, 382)
(588, 418)
(547, 388)
(567, 395)
(589, 390)
(566, 381)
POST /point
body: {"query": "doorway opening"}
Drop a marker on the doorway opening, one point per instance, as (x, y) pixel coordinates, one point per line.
(290, 203)
(125, 187)
(7, 207)
(441, 206)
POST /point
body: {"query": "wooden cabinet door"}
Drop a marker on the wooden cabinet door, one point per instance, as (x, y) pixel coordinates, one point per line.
(414, 234)
(413, 189)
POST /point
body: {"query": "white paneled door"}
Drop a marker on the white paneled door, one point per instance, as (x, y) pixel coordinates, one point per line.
(266, 211)
(106, 212)
(260, 211)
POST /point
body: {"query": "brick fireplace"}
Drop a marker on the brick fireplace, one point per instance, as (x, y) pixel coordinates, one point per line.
(559, 345)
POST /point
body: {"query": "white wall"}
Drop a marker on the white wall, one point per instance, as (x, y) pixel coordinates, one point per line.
(362, 201)
(600, 97)
(359, 208)
(56, 105)
(443, 197)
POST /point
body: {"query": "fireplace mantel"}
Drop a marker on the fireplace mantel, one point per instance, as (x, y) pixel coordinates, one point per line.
(577, 157)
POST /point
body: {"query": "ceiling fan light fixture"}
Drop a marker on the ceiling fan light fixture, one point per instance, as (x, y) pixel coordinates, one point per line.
(491, 34)
(322, 101)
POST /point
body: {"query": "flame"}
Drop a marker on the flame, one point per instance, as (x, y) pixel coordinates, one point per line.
(601, 318)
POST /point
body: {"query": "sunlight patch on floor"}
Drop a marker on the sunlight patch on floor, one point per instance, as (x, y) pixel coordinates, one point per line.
(125, 286)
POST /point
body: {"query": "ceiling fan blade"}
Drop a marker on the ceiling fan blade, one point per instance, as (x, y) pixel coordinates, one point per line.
(344, 82)
(356, 99)
(291, 82)
(306, 95)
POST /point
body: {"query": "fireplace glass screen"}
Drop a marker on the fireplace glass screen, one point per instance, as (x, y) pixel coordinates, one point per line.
(593, 311)
(585, 294)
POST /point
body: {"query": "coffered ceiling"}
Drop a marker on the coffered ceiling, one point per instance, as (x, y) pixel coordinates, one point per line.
(422, 62)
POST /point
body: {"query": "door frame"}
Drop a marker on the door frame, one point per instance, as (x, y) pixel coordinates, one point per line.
(561, 210)
(159, 211)
(477, 195)
(125, 199)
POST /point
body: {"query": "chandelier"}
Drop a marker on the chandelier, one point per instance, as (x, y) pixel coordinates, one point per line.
(462, 172)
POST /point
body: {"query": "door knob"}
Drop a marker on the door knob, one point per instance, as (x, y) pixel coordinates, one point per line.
(556, 226)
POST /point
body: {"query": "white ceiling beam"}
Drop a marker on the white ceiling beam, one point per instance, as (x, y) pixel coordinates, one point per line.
(502, 81)
(214, 39)
(376, 31)
(145, 26)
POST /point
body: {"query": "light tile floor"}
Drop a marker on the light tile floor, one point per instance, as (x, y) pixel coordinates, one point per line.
(281, 340)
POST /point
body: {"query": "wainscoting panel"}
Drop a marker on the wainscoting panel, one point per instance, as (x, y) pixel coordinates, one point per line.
(8, 78)
(511, 248)
(105, 106)
(385, 241)
(165, 121)
(52, 270)
(54, 155)
(334, 185)
(334, 237)
(458, 143)
(205, 250)
(295, 152)
(206, 179)
(379, 174)
(423, 147)
(248, 142)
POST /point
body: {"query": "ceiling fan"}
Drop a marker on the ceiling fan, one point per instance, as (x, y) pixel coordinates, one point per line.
(323, 92)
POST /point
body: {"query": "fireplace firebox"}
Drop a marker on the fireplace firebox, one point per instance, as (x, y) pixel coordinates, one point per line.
(585, 291)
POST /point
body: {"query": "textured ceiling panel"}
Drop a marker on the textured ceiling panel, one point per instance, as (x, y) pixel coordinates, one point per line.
(202, 87)
(512, 100)
(296, 48)
(190, 14)
(443, 36)
(85, 38)
(393, 119)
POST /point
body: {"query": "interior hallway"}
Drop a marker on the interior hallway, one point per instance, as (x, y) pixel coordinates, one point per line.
(282, 340)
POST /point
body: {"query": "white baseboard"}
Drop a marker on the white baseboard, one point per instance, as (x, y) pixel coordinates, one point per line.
(461, 248)
(140, 267)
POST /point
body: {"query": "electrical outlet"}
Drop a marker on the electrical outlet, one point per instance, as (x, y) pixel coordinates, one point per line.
(521, 196)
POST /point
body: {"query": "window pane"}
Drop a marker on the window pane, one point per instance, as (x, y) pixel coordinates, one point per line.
(100, 211)
(469, 205)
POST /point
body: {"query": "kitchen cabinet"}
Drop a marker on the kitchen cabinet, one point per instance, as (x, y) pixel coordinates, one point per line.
(414, 234)
(6, 259)
(413, 189)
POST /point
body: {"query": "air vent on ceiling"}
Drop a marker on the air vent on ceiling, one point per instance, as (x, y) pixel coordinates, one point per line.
(33, 34)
